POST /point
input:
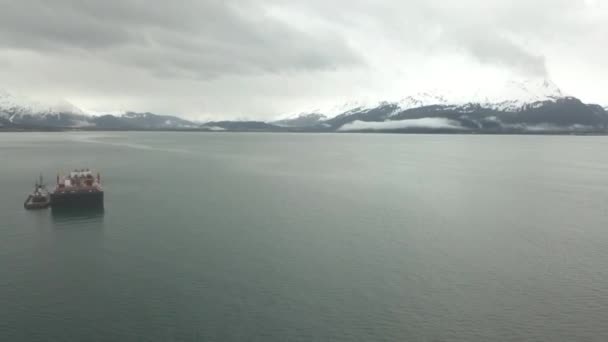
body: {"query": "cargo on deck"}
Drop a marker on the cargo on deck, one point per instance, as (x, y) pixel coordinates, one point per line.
(78, 189)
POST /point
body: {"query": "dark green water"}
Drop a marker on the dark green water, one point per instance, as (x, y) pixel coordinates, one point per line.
(272, 237)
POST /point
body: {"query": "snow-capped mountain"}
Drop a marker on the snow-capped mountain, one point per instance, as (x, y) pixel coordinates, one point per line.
(512, 96)
(515, 95)
(423, 99)
(517, 107)
(20, 110)
(13, 104)
(17, 111)
(333, 110)
(528, 105)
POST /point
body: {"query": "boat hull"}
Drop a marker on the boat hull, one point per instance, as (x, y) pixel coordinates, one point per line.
(31, 204)
(77, 199)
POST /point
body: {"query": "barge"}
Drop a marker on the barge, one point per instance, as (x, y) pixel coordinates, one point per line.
(78, 189)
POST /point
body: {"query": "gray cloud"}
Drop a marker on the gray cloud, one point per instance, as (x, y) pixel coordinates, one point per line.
(259, 59)
(503, 33)
(183, 39)
(496, 49)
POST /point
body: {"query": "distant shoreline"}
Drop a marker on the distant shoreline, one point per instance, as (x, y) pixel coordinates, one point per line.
(296, 131)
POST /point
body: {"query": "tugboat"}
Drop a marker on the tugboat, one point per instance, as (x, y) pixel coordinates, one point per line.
(79, 189)
(39, 199)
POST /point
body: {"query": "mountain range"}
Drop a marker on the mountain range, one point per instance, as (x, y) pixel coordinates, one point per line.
(520, 107)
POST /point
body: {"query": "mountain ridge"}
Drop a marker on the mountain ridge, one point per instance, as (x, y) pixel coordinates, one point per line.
(538, 106)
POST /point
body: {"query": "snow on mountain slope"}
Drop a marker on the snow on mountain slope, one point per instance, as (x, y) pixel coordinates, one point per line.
(334, 110)
(423, 99)
(512, 96)
(516, 94)
(13, 107)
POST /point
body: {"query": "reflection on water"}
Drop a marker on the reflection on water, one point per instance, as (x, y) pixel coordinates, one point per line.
(77, 216)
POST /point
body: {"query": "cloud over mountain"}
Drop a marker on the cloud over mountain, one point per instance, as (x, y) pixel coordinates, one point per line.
(216, 59)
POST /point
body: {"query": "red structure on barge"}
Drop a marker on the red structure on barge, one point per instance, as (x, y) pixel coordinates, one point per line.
(79, 189)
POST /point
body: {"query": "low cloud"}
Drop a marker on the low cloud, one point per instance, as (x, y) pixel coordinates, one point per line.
(428, 123)
(547, 127)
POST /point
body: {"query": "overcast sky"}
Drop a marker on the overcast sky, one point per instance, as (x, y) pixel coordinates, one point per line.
(210, 59)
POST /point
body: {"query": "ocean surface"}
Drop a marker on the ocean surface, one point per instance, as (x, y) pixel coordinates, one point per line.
(308, 237)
